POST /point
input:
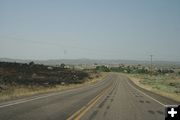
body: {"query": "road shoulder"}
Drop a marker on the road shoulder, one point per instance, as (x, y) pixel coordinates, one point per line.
(149, 91)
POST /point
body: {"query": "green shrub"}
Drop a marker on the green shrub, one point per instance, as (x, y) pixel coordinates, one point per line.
(103, 68)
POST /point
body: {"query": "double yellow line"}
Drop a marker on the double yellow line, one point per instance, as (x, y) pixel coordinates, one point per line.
(81, 112)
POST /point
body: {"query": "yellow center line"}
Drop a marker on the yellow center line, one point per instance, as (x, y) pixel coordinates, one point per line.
(77, 115)
(80, 110)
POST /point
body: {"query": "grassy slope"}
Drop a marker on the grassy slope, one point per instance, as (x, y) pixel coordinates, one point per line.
(168, 86)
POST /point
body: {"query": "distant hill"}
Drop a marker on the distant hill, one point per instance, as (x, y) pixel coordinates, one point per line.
(88, 61)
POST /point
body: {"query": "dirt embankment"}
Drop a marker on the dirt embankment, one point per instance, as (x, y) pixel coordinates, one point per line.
(22, 79)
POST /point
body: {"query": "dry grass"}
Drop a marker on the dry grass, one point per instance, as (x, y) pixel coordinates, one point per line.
(18, 91)
(168, 86)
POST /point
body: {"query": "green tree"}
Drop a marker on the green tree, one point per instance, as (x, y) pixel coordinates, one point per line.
(103, 68)
(31, 63)
(62, 65)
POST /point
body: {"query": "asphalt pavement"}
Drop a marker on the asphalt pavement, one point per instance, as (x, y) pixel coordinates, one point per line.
(114, 98)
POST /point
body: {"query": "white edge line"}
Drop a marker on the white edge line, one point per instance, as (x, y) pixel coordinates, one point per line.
(45, 96)
(31, 99)
(36, 98)
(146, 94)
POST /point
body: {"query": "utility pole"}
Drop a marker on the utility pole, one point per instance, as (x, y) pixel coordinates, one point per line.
(151, 64)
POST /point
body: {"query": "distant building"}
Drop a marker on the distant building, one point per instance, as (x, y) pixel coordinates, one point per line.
(50, 68)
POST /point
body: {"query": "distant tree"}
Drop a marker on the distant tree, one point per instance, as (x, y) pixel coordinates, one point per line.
(103, 68)
(171, 71)
(31, 63)
(62, 65)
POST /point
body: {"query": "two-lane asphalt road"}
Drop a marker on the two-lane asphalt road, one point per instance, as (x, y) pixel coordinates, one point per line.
(114, 98)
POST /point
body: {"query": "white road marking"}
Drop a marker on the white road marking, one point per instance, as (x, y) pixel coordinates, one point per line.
(23, 101)
(44, 96)
(36, 98)
(31, 99)
(146, 94)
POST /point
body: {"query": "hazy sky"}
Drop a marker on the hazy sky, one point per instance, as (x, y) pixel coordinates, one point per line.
(96, 29)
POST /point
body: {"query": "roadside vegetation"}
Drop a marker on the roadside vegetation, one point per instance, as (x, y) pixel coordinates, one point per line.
(22, 79)
(102, 68)
(166, 85)
(163, 81)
